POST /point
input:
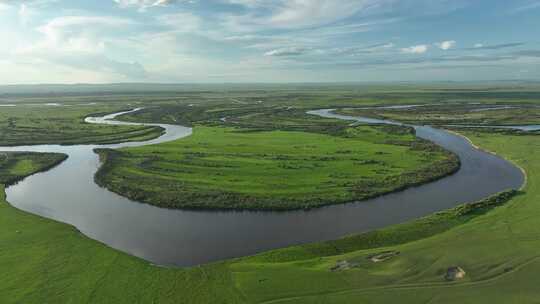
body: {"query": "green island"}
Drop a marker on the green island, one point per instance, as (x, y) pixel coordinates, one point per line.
(498, 249)
(238, 168)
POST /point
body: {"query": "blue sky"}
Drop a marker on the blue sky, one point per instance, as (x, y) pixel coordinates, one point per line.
(60, 41)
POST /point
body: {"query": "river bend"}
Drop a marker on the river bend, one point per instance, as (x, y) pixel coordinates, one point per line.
(67, 193)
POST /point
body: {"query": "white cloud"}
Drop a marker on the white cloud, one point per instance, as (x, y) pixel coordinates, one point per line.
(24, 14)
(287, 14)
(527, 7)
(416, 49)
(79, 42)
(446, 45)
(71, 32)
(181, 22)
(4, 6)
(300, 13)
(360, 51)
(478, 45)
(290, 51)
(144, 4)
(242, 38)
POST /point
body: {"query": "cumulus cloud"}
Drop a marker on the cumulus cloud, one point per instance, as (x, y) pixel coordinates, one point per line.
(446, 45)
(415, 49)
(72, 32)
(79, 42)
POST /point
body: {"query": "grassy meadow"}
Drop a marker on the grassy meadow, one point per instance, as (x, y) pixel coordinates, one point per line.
(499, 250)
(495, 241)
(457, 113)
(237, 168)
(42, 124)
(16, 165)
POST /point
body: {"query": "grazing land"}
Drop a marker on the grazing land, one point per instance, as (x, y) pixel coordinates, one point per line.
(457, 114)
(15, 165)
(498, 250)
(238, 168)
(46, 124)
(495, 242)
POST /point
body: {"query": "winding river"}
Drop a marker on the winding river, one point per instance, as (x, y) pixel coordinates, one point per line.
(67, 193)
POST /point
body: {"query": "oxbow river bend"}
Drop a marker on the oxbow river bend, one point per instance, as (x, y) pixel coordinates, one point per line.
(168, 237)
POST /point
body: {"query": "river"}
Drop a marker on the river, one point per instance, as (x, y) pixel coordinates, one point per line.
(67, 193)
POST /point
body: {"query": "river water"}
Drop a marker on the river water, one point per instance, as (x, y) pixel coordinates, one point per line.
(67, 193)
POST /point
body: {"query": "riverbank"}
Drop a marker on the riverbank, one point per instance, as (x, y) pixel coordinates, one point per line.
(497, 250)
(487, 151)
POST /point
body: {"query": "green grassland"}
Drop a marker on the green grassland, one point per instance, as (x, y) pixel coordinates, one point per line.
(48, 262)
(15, 165)
(497, 242)
(204, 104)
(39, 124)
(238, 168)
(43, 261)
(462, 113)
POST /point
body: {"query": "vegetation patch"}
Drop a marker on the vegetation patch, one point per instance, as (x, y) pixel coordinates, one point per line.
(14, 165)
(46, 261)
(39, 124)
(455, 113)
(239, 168)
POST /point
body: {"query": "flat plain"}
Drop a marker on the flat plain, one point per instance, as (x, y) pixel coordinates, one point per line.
(496, 241)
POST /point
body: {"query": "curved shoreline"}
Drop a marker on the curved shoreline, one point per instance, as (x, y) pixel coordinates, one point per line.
(525, 177)
(447, 166)
(184, 238)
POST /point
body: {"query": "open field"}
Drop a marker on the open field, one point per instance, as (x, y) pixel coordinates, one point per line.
(270, 152)
(234, 168)
(462, 113)
(498, 250)
(41, 124)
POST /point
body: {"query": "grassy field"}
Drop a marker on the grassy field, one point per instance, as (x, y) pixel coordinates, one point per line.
(499, 251)
(237, 168)
(49, 262)
(15, 165)
(458, 113)
(40, 124)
